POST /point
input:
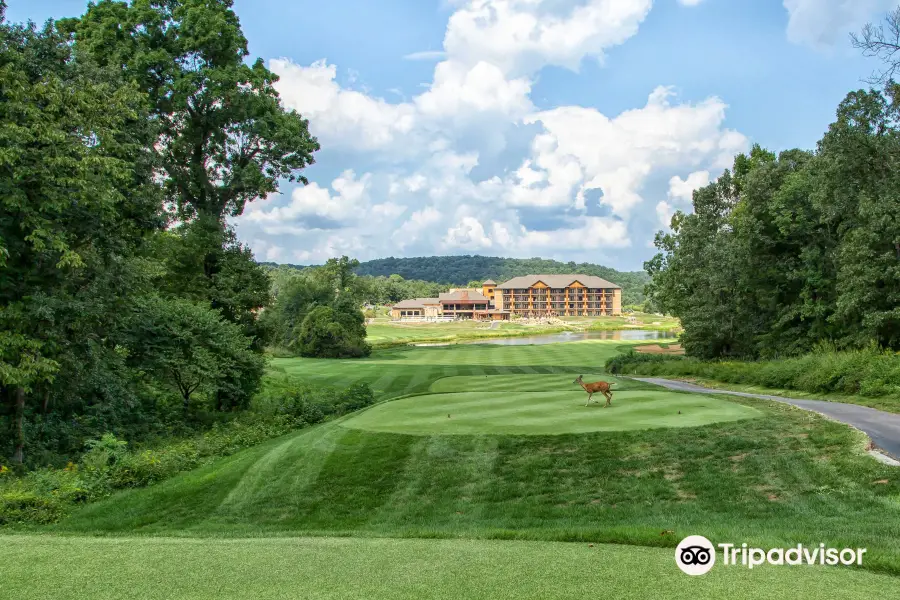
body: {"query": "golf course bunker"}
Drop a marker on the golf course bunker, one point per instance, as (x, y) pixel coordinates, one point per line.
(530, 410)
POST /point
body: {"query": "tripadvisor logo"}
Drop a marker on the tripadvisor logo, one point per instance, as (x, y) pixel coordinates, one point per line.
(696, 555)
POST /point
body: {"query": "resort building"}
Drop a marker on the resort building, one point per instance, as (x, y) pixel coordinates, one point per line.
(528, 296)
(418, 307)
(559, 295)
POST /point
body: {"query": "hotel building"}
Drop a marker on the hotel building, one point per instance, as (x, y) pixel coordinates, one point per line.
(527, 296)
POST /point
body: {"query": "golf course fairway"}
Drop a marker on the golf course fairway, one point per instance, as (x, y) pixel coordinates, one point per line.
(520, 405)
(502, 499)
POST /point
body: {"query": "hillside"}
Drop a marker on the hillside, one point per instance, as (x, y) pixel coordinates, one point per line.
(459, 270)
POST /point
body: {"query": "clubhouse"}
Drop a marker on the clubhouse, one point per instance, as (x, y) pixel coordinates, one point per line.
(532, 296)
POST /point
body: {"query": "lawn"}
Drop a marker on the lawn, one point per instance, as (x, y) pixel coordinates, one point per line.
(384, 332)
(457, 496)
(407, 370)
(541, 404)
(348, 568)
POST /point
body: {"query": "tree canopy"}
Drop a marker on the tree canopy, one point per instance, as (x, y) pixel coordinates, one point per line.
(127, 305)
(786, 252)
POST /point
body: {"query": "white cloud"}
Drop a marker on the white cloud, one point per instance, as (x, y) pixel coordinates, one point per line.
(426, 55)
(340, 117)
(824, 23)
(664, 212)
(522, 36)
(349, 200)
(585, 148)
(467, 234)
(683, 189)
(483, 87)
(689, 2)
(467, 163)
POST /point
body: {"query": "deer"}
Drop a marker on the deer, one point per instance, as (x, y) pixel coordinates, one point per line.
(593, 388)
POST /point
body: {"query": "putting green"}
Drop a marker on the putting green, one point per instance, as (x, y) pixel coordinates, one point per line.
(485, 405)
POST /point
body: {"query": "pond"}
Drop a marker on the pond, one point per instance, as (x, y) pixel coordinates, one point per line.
(569, 336)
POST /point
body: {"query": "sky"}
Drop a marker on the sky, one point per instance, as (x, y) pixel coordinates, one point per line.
(565, 129)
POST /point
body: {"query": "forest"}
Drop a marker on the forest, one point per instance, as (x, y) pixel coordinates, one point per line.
(128, 308)
(460, 270)
(795, 251)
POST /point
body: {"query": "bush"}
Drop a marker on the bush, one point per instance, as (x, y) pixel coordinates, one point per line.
(328, 332)
(869, 372)
(45, 495)
(621, 363)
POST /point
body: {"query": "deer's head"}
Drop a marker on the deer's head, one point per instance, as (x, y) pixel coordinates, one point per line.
(578, 380)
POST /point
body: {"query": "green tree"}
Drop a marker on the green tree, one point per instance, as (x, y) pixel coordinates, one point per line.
(328, 332)
(76, 198)
(224, 138)
(191, 349)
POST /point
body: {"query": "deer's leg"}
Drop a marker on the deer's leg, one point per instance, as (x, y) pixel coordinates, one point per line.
(588, 400)
(608, 398)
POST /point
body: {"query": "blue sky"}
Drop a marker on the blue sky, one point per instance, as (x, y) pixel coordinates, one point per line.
(566, 129)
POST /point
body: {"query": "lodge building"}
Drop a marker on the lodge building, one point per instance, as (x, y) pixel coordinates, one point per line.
(531, 296)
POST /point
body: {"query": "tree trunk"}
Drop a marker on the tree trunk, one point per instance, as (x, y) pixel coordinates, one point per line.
(19, 454)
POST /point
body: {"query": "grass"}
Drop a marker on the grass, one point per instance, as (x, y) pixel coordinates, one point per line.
(344, 568)
(782, 478)
(778, 480)
(384, 332)
(408, 370)
(541, 404)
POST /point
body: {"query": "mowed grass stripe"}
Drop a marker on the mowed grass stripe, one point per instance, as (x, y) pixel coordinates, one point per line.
(546, 413)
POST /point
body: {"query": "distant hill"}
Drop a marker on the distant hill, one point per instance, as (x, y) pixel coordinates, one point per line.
(460, 270)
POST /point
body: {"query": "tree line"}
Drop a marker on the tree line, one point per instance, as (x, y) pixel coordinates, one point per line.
(461, 270)
(789, 251)
(127, 305)
(374, 290)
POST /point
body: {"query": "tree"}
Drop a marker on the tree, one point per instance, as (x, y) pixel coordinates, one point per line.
(206, 263)
(328, 332)
(76, 197)
(295, 300)
(191, 349)
(224, 138)
(795, 250)
(882, 42)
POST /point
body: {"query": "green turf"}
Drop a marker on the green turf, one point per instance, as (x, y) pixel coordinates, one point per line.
(35, 568)
(787, 477)
(783, 478)
(385, 331)
(408, 370)
(541, 404)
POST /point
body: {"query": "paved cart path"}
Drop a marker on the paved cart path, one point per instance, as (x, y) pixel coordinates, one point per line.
(882, 427)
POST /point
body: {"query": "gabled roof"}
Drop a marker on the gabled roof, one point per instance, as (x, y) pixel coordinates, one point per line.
(463, 296)
(557, 281)
(489, 282)
(416, 303)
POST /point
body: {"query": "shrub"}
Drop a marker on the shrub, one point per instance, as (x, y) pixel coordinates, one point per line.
(284, 404)
(337, 332)
(869, 372)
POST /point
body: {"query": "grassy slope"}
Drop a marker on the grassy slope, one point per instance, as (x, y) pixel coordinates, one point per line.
(332, 568)
(777, 480)
(786, 477)
(885, 403)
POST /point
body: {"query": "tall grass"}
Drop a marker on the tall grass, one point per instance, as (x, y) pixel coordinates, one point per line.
(865, 373)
